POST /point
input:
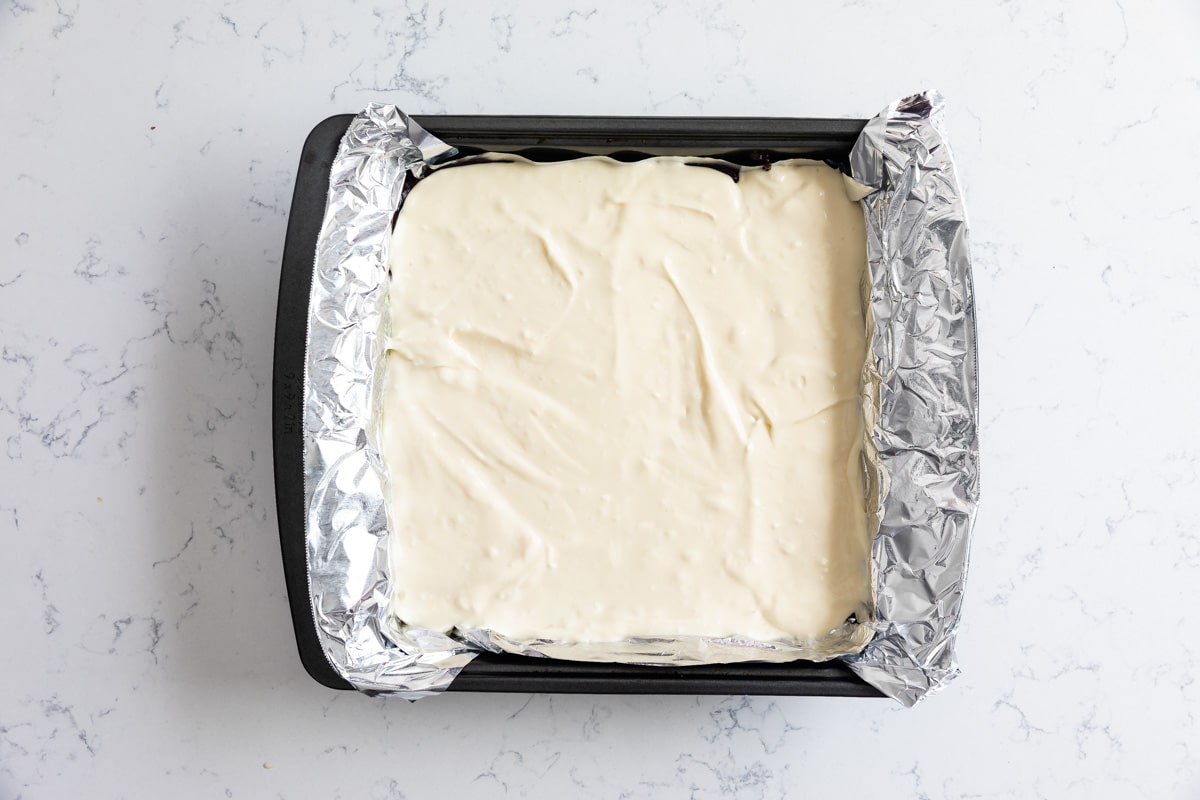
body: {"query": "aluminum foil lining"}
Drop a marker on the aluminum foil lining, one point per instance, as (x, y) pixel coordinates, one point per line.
(926, 430)
(346, 528)
(924, 427)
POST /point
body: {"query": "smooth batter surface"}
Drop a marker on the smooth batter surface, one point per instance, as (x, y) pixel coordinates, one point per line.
(624, 399)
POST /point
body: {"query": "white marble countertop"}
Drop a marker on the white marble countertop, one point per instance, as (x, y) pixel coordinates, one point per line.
(149, 151)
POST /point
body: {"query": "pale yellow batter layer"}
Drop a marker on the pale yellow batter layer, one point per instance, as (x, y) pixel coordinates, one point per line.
(624, 399)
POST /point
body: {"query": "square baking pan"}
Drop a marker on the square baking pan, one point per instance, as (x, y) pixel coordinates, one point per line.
(745, 140)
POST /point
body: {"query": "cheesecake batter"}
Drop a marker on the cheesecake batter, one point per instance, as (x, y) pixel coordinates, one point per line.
(624, 400)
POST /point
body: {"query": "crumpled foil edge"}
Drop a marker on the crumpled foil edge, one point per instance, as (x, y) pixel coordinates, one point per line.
(929, 459)
(926, 428)
(346, 532)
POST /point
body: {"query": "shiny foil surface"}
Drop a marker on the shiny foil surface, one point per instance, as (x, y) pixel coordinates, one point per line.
(346, 531)
(926, 426)
(921, 410)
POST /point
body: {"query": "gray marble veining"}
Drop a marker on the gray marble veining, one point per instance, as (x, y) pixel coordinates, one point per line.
(149, 153)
